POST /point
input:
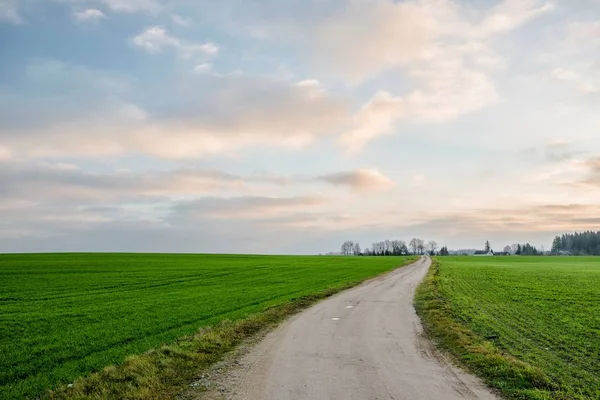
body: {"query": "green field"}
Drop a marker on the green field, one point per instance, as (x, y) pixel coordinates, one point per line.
(544, 311)
(65, 315)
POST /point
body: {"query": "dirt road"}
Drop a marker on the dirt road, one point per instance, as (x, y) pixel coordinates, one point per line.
(363, 344)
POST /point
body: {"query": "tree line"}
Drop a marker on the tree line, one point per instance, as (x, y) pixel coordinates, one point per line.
(416, 246)
(528, 250)
(585, 243)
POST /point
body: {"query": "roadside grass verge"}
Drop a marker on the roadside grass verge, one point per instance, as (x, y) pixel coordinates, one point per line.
(164, 372)
(451, 331)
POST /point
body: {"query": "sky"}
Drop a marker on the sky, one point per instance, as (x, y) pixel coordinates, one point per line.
(271, 126)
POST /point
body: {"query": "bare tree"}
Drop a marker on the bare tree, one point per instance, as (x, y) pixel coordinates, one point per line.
(421, 246)
(398, 247)
(432, 246)
(347, 248)
(507, 249)
(375, 248)
(403, 248)
(387, 247)
(414, 245)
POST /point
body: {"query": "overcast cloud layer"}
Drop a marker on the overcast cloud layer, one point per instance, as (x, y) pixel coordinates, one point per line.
(290, 126)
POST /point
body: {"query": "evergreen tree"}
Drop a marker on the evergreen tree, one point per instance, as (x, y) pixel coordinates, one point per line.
(556, 244)
(584, 243)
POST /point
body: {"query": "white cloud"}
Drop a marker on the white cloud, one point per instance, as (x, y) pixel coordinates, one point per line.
(448, 89)
(253, 208)
(311, 87)
(443, 46)
(588, 31)
(206, 48)
(133, 6)
(368, 37)
(156, 38)
(202, 68)
(119, 6)
(374, 119)
(565, 75)
(45, 182)
(181, 21)
(584, 85)
(5, 153)
(246, 111)
(91, 14)
(361, 180)
(9, 11)
(131, 112)
(510, 14)
(231, 112)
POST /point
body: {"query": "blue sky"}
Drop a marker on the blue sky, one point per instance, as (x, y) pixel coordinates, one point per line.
(291, 126)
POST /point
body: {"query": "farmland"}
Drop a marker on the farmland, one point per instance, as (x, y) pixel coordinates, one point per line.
(66, 315)
(530, 326)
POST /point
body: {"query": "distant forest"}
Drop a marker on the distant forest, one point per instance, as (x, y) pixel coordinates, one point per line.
(586, 243)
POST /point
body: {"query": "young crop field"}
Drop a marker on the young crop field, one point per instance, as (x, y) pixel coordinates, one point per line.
(536, 322)
(66, 315)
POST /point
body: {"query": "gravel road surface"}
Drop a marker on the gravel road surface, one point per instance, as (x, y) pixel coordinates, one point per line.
(363, 344)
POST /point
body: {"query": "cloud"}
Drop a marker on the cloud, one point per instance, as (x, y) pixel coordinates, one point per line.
(584, 30)
(560, 165)
(253, 208)
(442, 46)
(367, 38)
(91, 14)
(67, 182)
(181, 21)
(511, 14)
(215, 113)
(241, 111)
(43, 181)
(565, 75)
(593, 172)
(449, 88)
(120, 6)
(374, 119)
(560, 151)
(9, 12)
(133, 6)
(211, 114)
(203, 68)
(5, 153)
(552, 218)
(447, 91)
(584, 85)
(155, 39)
(360, 180)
